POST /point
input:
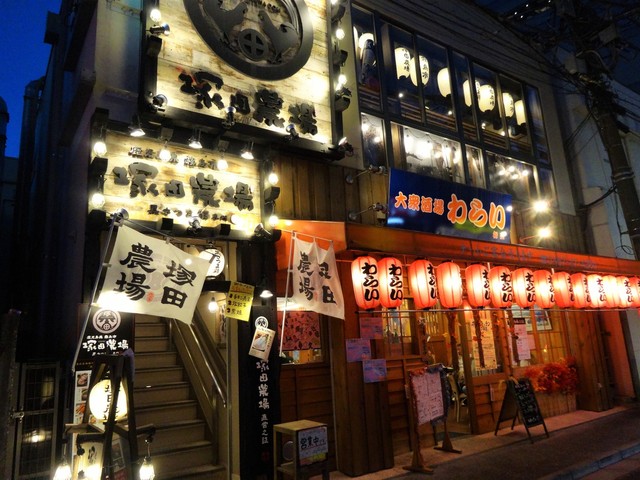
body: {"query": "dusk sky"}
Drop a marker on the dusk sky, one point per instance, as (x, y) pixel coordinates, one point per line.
(23, 56)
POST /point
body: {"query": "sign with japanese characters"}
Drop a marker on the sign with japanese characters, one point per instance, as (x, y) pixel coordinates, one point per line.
(374, 370)
(108, 332)
(239, 301)
(358, 349)
(316, 285)
(184, 186)
(266, 62)
(151, 276)
(313, 445)
(432, 205)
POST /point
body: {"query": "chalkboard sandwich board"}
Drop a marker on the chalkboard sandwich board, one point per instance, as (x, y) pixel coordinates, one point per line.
(520, 399)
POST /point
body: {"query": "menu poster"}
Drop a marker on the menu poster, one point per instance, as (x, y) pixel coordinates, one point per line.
(358, 349)
(261, 343)
(374, 370)
(427, 395)
(239, 300)
(371, 327)
(522, 342)
(81, 393)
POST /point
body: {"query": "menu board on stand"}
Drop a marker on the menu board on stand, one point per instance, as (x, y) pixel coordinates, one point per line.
(519, 399)
(429, 393)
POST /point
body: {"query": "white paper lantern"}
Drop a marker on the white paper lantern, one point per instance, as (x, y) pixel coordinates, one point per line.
(444, 82)
(403, 62)
(521, 117)
(507, 101)
(424, 71)
(216, 261)
(486, 98)
(100, 401)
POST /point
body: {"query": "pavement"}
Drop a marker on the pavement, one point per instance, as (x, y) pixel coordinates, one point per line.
(581, 445)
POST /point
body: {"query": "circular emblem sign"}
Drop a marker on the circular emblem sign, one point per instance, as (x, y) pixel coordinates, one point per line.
(262, 322)
(106, 321)
(268, 41)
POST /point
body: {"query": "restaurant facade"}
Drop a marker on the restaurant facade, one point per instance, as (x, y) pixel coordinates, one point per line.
(411, 143)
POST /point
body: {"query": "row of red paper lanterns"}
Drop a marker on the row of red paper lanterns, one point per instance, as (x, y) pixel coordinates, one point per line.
(380, 283)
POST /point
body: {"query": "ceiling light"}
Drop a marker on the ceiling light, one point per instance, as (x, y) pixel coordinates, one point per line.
(163, 29)
(247, 152)
(194, 141)
(155, 15)
(100, 148)
(164, 154)
(135, 129)
(229, 120)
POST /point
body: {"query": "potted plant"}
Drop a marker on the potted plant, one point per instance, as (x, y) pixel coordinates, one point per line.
(557, 385)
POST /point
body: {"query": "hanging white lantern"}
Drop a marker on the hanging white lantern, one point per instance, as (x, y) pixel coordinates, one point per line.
(486, 98)
(521, 117)
(403, 62)
(216, 261)
(466, 90)
(424, 71)
(507, 101)
(444, 82)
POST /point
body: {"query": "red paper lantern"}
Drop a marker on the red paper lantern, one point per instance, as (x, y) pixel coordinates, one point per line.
(364, 275)
(501, 287)
(477, 281)
(625, 292)
(596, 289)
(580, 290)
(610, 283)
(634, 283)
(390, 277)
(544, 289)
(422, 283)
(449, 284)
(563, 289)
(524, 290)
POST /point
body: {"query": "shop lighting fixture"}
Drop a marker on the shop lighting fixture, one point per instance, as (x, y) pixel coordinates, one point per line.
(340, 34)
(194, 141)
(271, 194)
(376, 207)
(135, 129)
(229, 120)
(372, 169)
(544, 232)
(344, 147)
(194, 227)
(247, 152)
(291, 130)
(222, 163)
(147, 472)
(100, 147)
(159, 102)
(262, 232)
(63, 471)
(164, 154)
(158, 30)
(155, 15)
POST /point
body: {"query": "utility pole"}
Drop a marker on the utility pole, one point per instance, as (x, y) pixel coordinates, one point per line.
(591, 34)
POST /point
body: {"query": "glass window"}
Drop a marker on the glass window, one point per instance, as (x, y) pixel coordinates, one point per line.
(511, 176)
(432, 155)
(547, 186)
(402, 79)
(367, 64)
(373, 140)
(436, 86)
(514, 114)
(465, 109)
(475, 163)
(539, 135)
(493, 130)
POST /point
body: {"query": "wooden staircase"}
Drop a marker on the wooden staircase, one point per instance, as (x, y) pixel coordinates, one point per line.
(182, 447)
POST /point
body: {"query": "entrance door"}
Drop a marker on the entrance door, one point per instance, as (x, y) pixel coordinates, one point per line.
(35, 420)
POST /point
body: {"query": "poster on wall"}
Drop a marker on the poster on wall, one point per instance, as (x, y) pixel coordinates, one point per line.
(431, 205)
(358, 349)
(522, 342)
(239, 301)
(261, 343)
(371, 328)
(427, 394)
(374, 370)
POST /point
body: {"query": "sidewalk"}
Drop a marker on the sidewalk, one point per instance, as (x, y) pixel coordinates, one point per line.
(581, 444)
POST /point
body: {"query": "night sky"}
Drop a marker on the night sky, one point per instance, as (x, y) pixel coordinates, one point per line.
(23, 56)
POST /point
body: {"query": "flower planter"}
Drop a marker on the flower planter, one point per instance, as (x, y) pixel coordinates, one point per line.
(556, 403)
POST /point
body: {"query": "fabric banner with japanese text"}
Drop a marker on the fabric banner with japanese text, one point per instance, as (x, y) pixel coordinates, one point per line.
(151, 276)
(316, 285)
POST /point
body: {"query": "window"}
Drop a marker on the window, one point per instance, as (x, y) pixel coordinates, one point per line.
(447, 116)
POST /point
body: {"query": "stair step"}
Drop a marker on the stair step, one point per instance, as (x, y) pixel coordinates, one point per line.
(151, 330)
(154, 376)
(152, 344)
(161, 394)
(201, 472)
(169, 435)
(174, 461)
(155, 359)
(147, 319)
(169, 412)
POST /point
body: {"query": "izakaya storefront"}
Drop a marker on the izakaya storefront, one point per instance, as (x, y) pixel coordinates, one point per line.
(483, 310)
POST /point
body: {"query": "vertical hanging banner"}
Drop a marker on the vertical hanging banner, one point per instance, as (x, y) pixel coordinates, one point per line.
(151, 276)
(316, 285)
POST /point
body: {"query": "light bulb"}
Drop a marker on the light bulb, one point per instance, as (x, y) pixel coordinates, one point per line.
(222, 164)
(155, 15)
(340, 33)
(100, 148)
(146, 470)
(273, 220)
(273, 178)
(165, 154)
(97, 200)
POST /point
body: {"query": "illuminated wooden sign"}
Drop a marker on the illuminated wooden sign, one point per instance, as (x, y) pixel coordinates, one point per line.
(186, 187)
(256, 61)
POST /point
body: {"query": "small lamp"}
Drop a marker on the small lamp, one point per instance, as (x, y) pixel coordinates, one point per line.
(247, 152)
(135, 129)
(147, 471)
(194, 141)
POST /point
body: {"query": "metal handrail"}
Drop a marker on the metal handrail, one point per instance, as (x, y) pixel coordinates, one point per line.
(213, 377)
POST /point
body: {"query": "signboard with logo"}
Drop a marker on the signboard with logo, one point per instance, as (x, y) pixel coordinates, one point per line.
(432, 205)
(268, 61)
(187, 186)
(108, 332)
